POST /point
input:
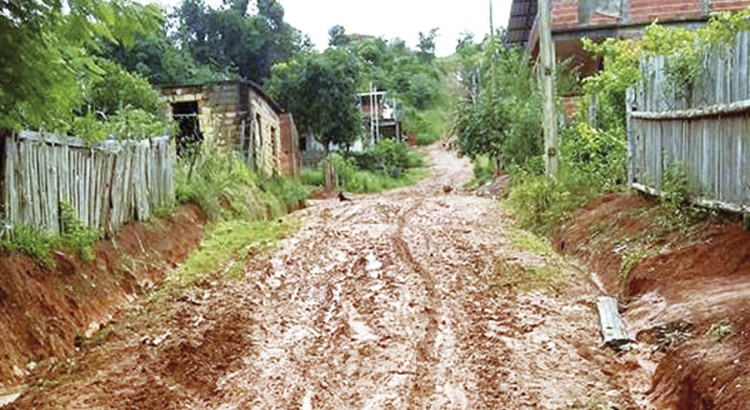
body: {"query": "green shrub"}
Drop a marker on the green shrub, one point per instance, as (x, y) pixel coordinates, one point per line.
(75, 235)
(540, 204)
(675, 200)
(499, 113)
(120, 105)
(387, 157)
(313, 177)
(428, 126)
(353, 179)
(289, 194)
(219, 183)
(37, 245)
(484, 170)
(596, 155)
(116, 89)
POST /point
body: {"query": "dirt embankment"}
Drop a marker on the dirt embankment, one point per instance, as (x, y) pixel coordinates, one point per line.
(45, 313)
(686, 297)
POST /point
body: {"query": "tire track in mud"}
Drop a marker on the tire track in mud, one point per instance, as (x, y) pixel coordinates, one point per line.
(423, 386)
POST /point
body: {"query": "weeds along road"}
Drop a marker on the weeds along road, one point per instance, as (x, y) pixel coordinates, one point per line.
(412, 299)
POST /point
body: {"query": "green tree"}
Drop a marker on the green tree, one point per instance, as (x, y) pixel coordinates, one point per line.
(46, 50)
(499, 115)
(426, 45)
(321, 91)
(337, 36)
(156, 57)
(230, 37)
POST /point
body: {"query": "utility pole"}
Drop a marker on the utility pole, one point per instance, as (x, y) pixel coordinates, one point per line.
(547, 53)
(492, 21)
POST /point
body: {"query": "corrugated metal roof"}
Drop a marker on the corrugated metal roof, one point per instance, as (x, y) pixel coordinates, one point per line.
(522, 16)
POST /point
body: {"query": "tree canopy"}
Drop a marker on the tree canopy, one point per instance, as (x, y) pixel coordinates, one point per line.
(249, 44)
(499, 113)
(74, 66)
(46, 50)
(320, 89)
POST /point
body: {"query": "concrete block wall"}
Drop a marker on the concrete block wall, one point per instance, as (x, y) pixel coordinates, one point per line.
(222, 108)
(267, 136)
(223, 114)
(218, 109)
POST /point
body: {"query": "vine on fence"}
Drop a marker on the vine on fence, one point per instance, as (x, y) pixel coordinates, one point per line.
(686, 50)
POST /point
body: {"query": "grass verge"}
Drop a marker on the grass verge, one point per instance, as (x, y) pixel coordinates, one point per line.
(519, 277)
(528, 242)
(227, 246)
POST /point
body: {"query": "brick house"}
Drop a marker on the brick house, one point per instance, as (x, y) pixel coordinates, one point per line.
(237, 115)
(573, 20)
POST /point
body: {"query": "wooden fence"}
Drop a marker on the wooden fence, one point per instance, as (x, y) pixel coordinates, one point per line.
(108, 184)
(704, 127)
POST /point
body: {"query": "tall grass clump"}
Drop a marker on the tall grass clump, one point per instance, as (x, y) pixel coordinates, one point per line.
(74, 237)
(225, 187)
(593, 163)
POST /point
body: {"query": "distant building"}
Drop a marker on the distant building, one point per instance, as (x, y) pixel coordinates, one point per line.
(380, 120)
(573, 20)
(380, 116)
(237, 115)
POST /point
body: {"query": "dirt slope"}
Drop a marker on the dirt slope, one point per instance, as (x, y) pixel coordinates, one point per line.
(686, 298)
(43, 311)
(411, 299)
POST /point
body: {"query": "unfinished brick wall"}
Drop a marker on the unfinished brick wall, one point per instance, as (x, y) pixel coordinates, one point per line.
(228, 109)
(729, 5)
(644, 11)
(567, 13)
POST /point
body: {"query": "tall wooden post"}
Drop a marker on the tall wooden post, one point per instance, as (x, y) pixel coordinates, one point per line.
(547, 53)
(492, 21)
(4, 136)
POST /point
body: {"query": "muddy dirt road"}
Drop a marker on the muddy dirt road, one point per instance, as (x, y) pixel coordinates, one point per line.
(412, 299)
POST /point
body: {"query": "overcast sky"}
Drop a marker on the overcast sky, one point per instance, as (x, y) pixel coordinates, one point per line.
(397, 18)
(392, 18)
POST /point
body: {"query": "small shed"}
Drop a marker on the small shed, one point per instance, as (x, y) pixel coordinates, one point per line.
(237, 115)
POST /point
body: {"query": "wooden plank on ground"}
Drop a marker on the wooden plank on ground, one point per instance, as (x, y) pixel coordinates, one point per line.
(612, 326)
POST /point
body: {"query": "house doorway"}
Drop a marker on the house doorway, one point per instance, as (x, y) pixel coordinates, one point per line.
(190, 137)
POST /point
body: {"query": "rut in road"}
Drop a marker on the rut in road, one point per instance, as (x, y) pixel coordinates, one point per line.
(402, 300)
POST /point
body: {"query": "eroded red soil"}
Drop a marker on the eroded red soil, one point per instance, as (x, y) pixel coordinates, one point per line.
(44, 312)
(410, 299)
(688, 295)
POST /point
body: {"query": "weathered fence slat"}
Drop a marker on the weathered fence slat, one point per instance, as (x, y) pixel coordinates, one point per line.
(107, 185)
(702, 129)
